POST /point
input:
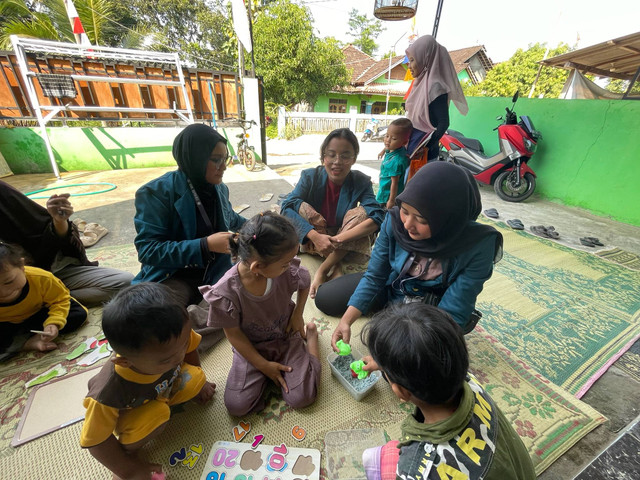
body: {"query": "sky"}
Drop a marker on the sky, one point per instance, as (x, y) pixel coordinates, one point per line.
(502, 26)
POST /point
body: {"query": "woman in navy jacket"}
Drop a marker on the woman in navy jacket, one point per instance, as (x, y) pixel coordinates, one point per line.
(334, 209)
(430, 249)
(183, 218)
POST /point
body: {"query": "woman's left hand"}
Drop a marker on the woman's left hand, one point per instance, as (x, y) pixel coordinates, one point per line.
(219, 242)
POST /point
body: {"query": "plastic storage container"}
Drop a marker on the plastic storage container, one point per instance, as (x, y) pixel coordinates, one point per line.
(357, 394)
(343, 452)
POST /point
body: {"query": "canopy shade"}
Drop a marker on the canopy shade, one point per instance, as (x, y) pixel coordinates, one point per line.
(617, 58)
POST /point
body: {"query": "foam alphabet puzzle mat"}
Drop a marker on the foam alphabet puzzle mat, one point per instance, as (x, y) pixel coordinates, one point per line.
(242, 461)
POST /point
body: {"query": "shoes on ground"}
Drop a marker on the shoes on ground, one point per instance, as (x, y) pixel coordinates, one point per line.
(591, 242)
(491, 213)
(92, 233)
(516, 224)
(546, 232)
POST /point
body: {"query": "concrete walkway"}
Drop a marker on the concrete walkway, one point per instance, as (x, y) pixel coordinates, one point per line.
(615, 394)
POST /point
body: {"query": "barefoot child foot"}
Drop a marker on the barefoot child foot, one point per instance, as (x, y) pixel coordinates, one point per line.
(312, 340)
(318, 279)
(36, 343)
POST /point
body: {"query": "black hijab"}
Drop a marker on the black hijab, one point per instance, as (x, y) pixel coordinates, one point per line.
(192, 149)
(447, 196)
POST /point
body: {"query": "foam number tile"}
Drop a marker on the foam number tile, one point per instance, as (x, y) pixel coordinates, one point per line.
(192, 456)
(298, 433)
(178, 456)
(277, 461)
(241, 430)
(257, 440)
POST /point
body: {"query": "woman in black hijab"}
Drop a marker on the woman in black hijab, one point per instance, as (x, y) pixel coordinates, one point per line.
(183, 218)
(430, 249)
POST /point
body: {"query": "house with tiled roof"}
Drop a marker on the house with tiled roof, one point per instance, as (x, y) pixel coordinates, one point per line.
(372, 80)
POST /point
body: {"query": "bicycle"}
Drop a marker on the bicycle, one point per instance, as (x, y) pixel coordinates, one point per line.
(245, 153)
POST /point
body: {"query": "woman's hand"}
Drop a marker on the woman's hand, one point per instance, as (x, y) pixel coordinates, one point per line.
(60, 210)
(273, 369)
(322, 243)
(342, 332)
(219, 242)
(381, 154)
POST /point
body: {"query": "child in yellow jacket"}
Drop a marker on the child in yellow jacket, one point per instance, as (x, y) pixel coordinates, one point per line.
(32, 299)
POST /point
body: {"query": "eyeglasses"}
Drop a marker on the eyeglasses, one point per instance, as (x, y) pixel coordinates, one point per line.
(344, 157)
(218, 161)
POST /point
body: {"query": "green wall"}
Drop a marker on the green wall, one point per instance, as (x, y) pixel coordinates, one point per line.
(322, 104)
(92, 148)
(589, 156)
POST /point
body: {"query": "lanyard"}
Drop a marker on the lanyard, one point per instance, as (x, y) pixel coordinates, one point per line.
(201, 209)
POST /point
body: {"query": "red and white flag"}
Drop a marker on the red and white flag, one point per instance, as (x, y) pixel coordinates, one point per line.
(76, 24)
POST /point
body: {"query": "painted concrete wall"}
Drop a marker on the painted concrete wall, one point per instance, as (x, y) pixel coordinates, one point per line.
(589, 156)
(94, 148)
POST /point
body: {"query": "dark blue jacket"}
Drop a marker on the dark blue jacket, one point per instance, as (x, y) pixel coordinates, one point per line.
(311, 188)
(467, 273)
(166, 224)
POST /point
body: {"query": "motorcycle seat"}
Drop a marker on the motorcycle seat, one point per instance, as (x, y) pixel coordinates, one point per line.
(471, 143)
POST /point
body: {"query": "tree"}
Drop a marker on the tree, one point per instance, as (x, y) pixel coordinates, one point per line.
(364, 30)
(519, 73)
(48, 19)
(199, 30)
(295, 64)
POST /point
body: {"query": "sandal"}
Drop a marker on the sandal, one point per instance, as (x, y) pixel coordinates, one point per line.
(586, 242)
(491, 213)
(92, 233)
(80, 223)
(516, 224)
(595, 241)
(540, 230)
(551, 232)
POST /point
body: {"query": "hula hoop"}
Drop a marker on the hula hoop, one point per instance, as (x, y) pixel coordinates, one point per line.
(111, 187)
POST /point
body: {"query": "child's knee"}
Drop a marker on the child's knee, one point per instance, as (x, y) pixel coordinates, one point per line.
(240, 403)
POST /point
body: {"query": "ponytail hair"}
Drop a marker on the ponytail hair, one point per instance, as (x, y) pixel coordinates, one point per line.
(267, 236)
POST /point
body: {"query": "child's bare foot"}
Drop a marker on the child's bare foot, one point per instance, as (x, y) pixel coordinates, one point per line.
(318, 279)
(335, 273)
(36, 343)
(312, 340)
(206, 393)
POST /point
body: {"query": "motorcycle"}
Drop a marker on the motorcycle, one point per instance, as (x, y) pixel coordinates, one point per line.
(508, 170)
(372, 131)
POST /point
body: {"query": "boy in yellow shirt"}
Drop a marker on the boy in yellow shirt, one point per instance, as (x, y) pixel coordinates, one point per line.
(156, 365)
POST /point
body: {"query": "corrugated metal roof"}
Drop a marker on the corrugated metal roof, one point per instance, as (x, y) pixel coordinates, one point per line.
(617, 58)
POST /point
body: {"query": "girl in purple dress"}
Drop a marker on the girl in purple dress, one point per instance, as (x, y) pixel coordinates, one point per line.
(252, 303)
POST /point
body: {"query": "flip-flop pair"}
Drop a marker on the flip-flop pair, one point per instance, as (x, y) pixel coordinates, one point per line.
(546, 232)
(516, 224)
(591, 242)
(491, 213)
